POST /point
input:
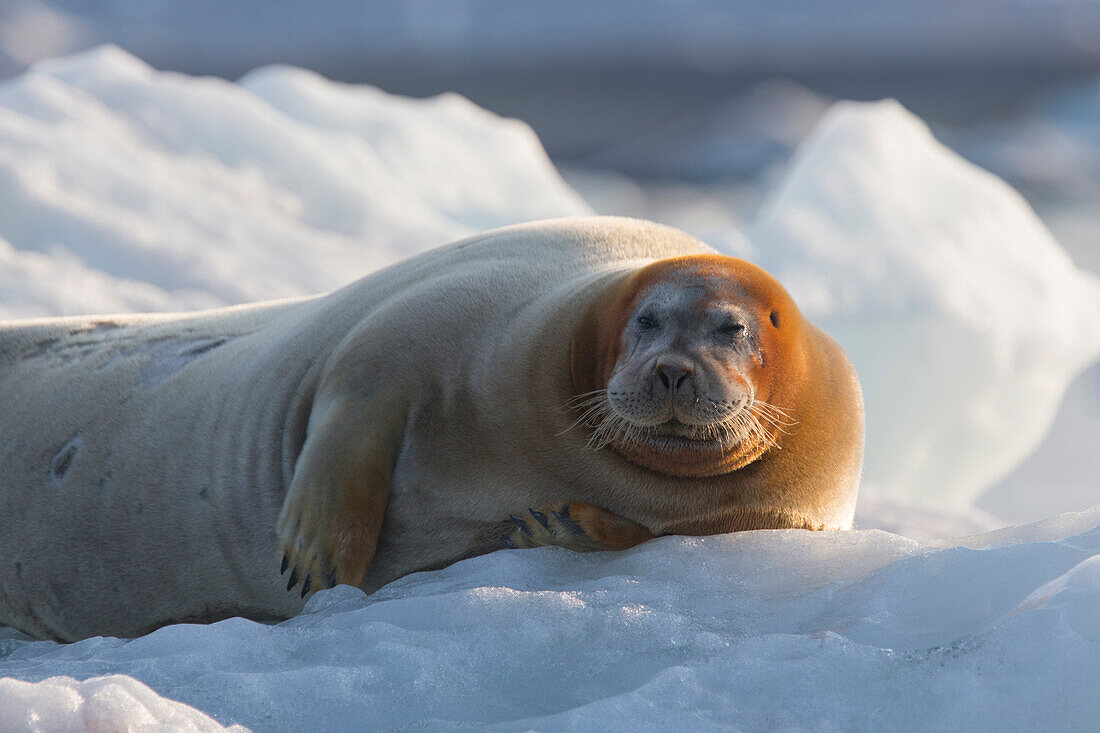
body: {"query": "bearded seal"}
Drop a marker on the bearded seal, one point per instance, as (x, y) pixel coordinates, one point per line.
(589, 383)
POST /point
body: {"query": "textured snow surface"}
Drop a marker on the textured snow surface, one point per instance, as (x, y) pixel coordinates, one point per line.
(859, 630)
(99, 705)
(122, 188)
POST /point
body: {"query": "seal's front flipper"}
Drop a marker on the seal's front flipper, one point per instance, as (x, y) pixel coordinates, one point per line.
(332, 515)
(575, 525)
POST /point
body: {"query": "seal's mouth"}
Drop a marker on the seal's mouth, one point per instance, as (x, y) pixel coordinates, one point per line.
(674, 437)
(675, 428)
(674, 444)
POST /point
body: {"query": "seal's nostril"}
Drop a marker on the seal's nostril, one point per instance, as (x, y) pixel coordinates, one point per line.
(673, 377)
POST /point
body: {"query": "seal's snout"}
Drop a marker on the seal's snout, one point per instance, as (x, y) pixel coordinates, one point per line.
(673, 374)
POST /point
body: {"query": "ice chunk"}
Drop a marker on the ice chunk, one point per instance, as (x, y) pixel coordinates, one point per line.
(479, 169)
(201, 186)
(964, 318)
(1067, 461)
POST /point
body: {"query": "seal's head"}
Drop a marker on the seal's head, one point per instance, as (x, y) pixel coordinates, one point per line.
(691, 364)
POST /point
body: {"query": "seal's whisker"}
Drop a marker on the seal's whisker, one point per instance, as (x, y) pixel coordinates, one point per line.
(757, 422)
(748, 428)
(775, 417)
(594, 405)
(588, 403)
(772, 420)
(745, 422)
(777, 420)
(602, 390)
(765, 436)
(595, 410)
(775, 411)
(606, 429)
(778, 427)
(586, 398)
(582, 419)
(603, 425)
(573, 424)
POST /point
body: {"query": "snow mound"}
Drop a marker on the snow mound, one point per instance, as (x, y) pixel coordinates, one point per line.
(97, 705)
(476, 168)
(34, 284)
(861, 630)
(213, 193)
(964, 318)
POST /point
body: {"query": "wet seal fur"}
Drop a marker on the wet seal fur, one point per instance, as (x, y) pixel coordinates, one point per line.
(589, 383)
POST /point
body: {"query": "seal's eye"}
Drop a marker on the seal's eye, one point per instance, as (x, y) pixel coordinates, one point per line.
(646, 322)
(734, 330)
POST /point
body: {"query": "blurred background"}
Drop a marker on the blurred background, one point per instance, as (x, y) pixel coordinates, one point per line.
(654, 89)
(688, 111)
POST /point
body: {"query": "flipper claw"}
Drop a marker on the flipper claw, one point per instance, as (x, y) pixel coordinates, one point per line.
(574, 525)
(521, 524)
(567, 521)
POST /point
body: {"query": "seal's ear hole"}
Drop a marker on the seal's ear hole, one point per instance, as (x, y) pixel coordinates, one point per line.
(775, 318)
